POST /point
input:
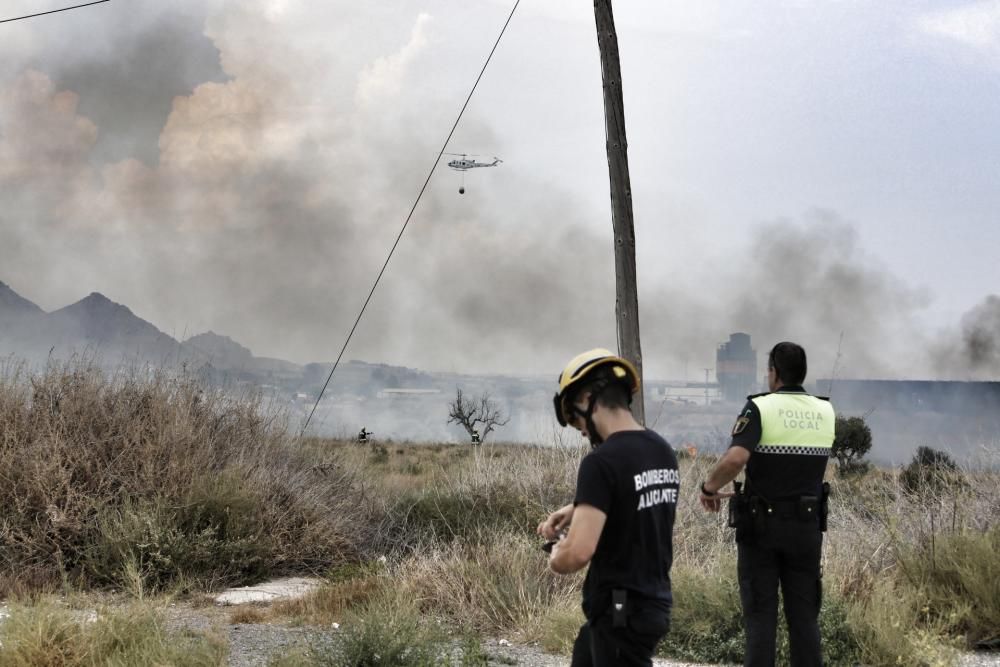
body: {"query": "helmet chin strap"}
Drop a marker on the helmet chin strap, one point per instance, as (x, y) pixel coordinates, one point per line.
(592, 433)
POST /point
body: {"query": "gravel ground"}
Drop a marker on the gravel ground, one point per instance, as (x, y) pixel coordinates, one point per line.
(991, 659)
(253, 645)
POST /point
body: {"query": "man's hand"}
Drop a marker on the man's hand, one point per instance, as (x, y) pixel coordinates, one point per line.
(725, 471)
(713, 502)
(574, 551)
(556, 523)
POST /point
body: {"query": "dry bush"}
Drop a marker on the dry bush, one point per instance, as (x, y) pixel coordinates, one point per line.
(143, 479)
(468, 497)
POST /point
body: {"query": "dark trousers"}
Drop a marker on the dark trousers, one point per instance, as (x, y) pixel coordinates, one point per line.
(788, 553)
(600, 645)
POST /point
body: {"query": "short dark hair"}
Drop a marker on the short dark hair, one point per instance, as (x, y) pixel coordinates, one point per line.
(611, 391)
(789, 361)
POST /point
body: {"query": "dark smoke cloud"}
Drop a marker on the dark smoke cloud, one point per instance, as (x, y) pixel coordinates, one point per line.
(130, 94)
(981, 334)
(811, 282)
(973, 351)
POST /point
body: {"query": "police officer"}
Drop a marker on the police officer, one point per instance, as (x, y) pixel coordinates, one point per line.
(621, 520)
(783, 438)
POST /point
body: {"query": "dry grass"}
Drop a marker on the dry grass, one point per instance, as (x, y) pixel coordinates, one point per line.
(48, 633)
(331, 602)
(472, 558)
(248, 614)
(501, 587)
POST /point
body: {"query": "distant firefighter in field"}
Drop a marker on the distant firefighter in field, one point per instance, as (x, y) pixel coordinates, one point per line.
(622, 519)
(783, 439)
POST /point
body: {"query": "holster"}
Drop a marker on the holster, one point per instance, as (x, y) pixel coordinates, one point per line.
(740, 516)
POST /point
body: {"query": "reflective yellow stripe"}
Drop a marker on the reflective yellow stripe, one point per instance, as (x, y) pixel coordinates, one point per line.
(795, 424)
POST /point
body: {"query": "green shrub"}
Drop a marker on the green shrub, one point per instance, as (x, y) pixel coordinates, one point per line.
(890, 628)
(146, 545)
(840, 646)
(958, 580)
(706, 622)
(441, 514)
(929, 472)
(389, 634)
(558, 627)
(707, 626)
(386, 632)
(852, 441)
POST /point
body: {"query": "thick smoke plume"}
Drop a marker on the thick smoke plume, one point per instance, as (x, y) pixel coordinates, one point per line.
(278, 183)
(973, 353)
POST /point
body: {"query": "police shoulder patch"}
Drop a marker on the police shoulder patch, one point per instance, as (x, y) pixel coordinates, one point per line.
(740, 425)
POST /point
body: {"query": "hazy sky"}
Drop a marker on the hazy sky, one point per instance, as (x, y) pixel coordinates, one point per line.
(799, 169)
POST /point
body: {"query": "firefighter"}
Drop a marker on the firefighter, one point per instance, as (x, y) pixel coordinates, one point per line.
(475, 436)
(621, 520)
(363, 435)
(783, 438)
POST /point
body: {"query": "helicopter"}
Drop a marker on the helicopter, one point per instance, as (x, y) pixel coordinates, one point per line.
(463, 164)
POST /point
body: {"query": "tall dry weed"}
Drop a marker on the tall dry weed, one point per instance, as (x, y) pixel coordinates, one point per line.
(145, 473)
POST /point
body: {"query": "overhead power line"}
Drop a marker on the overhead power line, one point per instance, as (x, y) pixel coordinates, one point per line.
(53, 11)
(407, 222)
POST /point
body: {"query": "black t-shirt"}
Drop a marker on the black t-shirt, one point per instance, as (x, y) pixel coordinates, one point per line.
(776, 476)
(633, 478)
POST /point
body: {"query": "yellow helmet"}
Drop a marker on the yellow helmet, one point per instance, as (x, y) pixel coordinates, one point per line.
(580, 367)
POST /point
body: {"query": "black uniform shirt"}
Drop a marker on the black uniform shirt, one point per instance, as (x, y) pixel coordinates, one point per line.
(633, 478)
(776, 476)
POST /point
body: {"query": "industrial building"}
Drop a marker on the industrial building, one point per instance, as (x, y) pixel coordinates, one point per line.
(736, 368)
(941, 396)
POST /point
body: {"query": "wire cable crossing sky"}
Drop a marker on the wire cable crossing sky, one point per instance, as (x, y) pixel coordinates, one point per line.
(54, 11)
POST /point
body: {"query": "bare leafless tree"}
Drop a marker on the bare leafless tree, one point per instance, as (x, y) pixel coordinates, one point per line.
(480, 412)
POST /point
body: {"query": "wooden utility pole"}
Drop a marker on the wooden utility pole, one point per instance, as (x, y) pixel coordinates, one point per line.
(627, 300)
